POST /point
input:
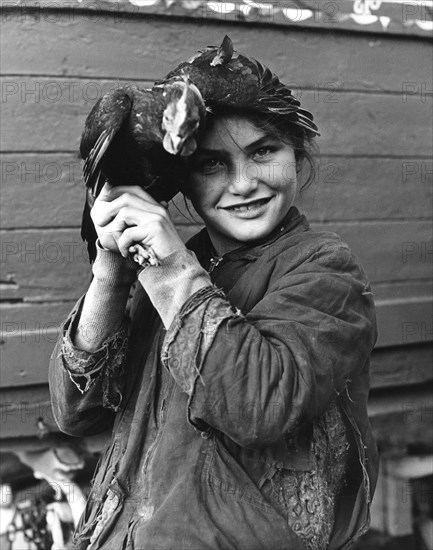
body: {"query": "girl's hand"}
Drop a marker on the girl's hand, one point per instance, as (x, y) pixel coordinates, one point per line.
(127, 215)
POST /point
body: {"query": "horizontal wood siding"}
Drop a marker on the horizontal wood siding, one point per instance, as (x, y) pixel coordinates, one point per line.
(52, 110)
(371, 96)
(46, 190)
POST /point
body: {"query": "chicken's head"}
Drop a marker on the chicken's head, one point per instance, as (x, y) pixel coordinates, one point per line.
(182, 117)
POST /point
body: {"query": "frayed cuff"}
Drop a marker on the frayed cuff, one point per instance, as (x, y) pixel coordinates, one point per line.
(85, 368)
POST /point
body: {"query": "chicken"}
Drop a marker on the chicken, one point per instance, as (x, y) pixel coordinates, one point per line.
(227, 78)
(141, 137)
(136, 136)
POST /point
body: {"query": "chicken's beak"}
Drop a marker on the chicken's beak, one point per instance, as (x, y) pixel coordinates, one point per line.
(173, 143)
(189, 147)
(178, 145)
(177, 142)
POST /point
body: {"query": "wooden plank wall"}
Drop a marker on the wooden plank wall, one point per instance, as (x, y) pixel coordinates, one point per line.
(373, 185)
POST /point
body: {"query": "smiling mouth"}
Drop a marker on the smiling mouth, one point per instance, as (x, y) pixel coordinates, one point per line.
(248, 206)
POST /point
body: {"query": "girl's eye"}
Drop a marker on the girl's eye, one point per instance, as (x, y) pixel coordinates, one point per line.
(205, 165)
(210, 165)
(263, 152)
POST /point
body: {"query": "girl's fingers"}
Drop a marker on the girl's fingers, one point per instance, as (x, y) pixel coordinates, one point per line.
(127, 215)
(131, 216)
(129, 227)
(109, 193)
(129, 237)
(104, 212)
(126, 218)
(162, 237)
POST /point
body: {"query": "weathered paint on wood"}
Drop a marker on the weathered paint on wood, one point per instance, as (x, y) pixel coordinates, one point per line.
(404, 315)
(400, 416)
(383, 292)
(52, 264)
(390, 250)
(373, 186)
(398, 366)
(54, 108)
(44, 265)
(19, 418)
(41, 190)
(47, 190)
(56, 117)
(405, 321)
(403, 430)
(30, 331)
(408, 401)
(25, 357)
(352, 188)
(30, 317)
(47, 265)
(124, 47)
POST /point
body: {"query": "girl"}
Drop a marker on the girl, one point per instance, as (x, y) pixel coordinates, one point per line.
(236, 383)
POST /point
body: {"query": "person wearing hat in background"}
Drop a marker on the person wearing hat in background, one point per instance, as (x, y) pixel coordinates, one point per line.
(236, 380)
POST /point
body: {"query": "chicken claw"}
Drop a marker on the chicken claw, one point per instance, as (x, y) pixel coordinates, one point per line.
(144, 256)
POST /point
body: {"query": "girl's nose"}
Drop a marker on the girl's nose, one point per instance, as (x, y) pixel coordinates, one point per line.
(244, 179)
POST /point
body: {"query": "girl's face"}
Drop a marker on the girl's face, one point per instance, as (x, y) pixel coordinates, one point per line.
(242, 182)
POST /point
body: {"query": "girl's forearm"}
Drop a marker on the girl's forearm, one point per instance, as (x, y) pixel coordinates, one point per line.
(102, 315)
(105, 301)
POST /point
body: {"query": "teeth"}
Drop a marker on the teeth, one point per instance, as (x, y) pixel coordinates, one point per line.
(242, 208)
(246, 208)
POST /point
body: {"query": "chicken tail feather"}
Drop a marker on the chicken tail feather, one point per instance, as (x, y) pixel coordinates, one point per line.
(88, 231)
(92, 163)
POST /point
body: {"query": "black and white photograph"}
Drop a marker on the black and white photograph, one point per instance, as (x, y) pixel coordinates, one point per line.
(216, 275)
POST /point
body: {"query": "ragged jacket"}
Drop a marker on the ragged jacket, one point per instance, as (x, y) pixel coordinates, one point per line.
(212, 409)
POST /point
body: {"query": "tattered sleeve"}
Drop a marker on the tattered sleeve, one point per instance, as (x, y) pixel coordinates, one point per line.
(86, 387)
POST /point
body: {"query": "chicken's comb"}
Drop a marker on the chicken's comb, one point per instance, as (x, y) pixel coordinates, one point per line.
(224, 52)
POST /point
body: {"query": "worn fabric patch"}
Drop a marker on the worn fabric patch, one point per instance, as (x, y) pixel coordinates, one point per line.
(307, 498)
(191, 336)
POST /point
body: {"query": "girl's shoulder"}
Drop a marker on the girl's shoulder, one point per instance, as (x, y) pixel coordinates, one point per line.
(309, 245)
(311, 250)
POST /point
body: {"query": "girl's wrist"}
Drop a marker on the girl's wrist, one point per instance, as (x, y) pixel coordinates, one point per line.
(112, 269)
(172, 283)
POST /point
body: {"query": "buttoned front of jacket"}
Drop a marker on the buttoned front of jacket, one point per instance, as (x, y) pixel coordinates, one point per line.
(214, 406)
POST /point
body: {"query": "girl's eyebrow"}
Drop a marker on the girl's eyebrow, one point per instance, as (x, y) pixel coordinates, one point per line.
(249, 147)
